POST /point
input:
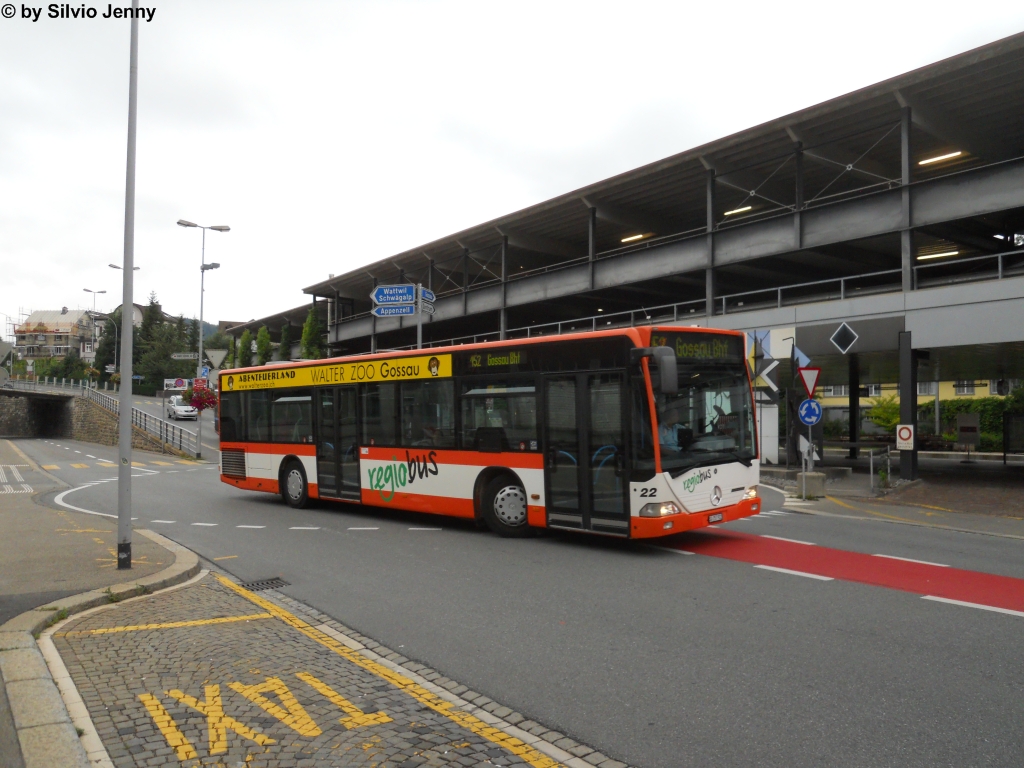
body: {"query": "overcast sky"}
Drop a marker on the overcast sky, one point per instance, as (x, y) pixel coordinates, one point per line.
(332, 134)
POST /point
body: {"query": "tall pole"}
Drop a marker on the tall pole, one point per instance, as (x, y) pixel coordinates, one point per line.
(419, 315)
(124, 421)
(199, 364)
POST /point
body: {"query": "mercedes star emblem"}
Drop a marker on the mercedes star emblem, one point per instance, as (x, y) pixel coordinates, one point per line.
(716, 496)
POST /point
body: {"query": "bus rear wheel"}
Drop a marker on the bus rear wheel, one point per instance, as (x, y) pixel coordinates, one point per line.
(504, 508)
(294, 487)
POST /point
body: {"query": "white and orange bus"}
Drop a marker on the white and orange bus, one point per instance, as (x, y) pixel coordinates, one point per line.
(635, 432)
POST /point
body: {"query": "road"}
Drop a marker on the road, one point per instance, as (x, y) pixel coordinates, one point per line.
(653, 656)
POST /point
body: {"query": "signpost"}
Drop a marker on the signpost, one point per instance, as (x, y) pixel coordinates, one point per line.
(394, 311)
(175, 385)
(199, 384)
(904, 437)
(389, 295)
(184, 356)
(403, 301)
(809, 413)
(968, 431)
(809, 377)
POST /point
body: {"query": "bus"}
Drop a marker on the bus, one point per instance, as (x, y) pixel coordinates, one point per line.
(633, 432)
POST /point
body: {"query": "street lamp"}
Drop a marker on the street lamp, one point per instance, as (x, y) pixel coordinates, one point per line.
(203, 268)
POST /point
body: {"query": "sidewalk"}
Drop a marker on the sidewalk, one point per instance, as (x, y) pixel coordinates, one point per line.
(48, 556)
(215, 673)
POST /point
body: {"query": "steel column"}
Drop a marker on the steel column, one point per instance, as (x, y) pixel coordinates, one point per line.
(373, 324)
(798, 231)
(503, 324)
(709, 272)
(592, 241)
(906, 233)
(465, 281)
(854, 381)
(908, 403)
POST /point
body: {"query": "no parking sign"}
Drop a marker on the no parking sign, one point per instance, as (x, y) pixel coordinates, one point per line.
(905, 437)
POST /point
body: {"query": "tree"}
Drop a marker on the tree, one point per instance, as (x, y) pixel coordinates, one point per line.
(229, 361)
(885, 412)
(192, 335)
(243, 350)
(106, 353)
(156, 363)
(264, 348)
(152, 318)
(312, 344)
(284, 352)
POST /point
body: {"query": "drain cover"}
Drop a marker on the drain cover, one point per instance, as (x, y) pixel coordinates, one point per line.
(260, 585)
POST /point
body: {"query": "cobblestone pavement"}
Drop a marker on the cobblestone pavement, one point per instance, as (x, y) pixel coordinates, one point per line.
(214, 674)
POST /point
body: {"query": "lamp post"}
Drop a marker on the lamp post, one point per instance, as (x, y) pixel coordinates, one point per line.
(203, 269)
(124, 418)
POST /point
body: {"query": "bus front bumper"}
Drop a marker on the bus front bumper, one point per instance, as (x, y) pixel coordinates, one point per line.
(651, 527)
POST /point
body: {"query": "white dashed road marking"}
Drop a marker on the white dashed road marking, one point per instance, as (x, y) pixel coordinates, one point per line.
(168, 522)
(250, 526)
(971, 605)
(791, 541)
(794, 573)
(364, 529)
(304, 528)
(206, 525)
(424, 529)
(911, 560)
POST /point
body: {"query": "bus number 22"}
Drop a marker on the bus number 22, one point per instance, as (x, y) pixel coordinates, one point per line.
(648, 492)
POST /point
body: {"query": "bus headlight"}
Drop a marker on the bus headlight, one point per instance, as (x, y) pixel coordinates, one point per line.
(751, 492)
(660, 509)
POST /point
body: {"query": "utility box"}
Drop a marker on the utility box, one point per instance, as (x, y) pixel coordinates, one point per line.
(968, 429)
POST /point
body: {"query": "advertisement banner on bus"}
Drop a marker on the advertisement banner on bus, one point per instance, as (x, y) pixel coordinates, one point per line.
(396, 369)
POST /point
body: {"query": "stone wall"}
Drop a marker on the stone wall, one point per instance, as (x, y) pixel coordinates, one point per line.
(14, 416)
(91, 423)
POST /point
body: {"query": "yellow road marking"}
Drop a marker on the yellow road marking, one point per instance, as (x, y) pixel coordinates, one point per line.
(166, 625)
(217, 723)
(168, 727)
(162, 463)
(226, 557)
(138, 464)
(870, 512)
(182, 461)
(50, 466)
(355, 717)
(295, 717)
(418, 692)
(80, 466)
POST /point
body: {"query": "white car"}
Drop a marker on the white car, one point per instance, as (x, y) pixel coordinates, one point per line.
(177, 408)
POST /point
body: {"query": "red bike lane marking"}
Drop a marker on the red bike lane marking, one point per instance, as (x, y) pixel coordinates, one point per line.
(934, 580)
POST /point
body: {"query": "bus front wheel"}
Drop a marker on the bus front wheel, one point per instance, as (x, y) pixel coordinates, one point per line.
(294, 488)
(504, 508)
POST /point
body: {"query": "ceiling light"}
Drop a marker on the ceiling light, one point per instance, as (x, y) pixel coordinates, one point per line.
(737, 210)
(600, 310)
(631, 238)
(937, 255)
(940, 158)
(999, 237)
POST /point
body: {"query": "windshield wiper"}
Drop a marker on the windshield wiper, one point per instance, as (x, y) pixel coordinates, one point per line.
(715, 457)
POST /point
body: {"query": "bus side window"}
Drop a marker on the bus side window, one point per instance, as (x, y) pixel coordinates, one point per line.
(379, 416)
(232, 425)
(291, 410)
(258, 416)
(500, 416)
(428, 413)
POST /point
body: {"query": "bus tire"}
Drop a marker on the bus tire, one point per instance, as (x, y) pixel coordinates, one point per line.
(294, 488)
(504, 508)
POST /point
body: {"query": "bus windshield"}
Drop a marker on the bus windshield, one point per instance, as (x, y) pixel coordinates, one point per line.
(709, 421)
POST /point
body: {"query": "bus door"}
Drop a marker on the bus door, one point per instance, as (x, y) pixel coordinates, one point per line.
(337, 447)
(585, 452)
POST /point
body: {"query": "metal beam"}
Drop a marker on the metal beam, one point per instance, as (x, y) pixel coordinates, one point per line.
(539, 243)
(832, 155)
(643, 221)
(963, 135)
(906, 169)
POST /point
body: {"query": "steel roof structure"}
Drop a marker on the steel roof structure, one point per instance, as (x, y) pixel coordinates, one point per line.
(844, 193)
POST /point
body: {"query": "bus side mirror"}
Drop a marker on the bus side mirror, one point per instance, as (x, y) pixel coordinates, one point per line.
(668, 379)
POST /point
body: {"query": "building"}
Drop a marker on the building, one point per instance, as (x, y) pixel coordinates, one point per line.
(54, 333)
(880, 233)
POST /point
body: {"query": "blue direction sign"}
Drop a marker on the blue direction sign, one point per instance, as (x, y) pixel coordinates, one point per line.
(389, 295)
(809, 412)
(427, 295)
(401, 309)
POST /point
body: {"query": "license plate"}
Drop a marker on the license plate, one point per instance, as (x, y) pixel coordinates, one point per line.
(715, 518)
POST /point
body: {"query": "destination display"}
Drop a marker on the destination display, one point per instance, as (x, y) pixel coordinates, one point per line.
(396, 369)
(702, 347)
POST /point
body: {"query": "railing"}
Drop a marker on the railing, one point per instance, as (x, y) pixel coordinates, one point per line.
(167, 433)
(775, 298)
(1008, 264)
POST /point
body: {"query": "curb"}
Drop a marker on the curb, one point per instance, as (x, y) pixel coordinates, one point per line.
(44, 726)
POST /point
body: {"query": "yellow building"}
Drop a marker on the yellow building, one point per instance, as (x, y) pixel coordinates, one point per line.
(838, 396)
